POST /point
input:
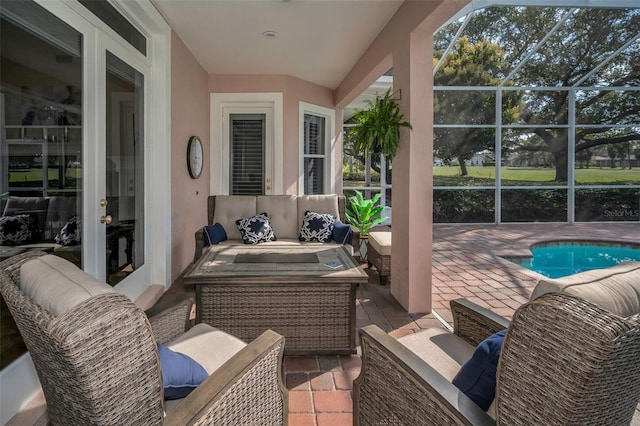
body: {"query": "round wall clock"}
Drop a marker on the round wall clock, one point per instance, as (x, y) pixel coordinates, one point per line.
(194, 157)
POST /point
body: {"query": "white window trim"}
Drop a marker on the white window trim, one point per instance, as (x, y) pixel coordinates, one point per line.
(219, 153)
(330, 149)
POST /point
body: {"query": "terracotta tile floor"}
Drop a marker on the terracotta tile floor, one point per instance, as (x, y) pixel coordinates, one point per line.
(466, 263)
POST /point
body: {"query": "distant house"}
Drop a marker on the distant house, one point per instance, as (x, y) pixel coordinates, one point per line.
(605, 161)
(480, 158)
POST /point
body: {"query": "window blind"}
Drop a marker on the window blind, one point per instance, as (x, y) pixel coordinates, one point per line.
(247, 154)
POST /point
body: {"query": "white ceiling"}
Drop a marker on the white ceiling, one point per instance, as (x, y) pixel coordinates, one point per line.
(317, 40)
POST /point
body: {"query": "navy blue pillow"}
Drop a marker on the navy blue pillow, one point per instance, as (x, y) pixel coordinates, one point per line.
(256, 229)
(180, 373)
(317, 227)
(16, 230)
(477, 377)
(69, 235)
(342, 232)
(214, 234)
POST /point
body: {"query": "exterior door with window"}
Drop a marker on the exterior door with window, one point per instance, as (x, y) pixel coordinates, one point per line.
(250, 165)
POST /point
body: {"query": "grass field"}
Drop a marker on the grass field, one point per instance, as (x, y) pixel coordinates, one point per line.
(33, 177)
(478, 175)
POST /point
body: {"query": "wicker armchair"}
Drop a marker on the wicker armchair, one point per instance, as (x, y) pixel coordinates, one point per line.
(564, 361)
(98, 362)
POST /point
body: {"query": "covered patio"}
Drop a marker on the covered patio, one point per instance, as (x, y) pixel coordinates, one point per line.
(466, 259)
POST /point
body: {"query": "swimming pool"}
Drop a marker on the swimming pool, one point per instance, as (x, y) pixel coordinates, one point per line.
(559, 259)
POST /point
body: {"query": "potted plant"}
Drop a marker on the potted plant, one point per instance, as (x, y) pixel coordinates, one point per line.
(362, 215)
(377, 129)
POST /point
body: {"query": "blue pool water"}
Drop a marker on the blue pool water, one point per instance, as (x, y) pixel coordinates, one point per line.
(559, 260)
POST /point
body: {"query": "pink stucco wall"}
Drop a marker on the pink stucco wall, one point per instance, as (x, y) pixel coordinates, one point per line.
(189, 116)
(293, 92)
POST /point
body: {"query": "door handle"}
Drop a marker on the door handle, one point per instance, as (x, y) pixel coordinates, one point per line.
(103, 202)
(106, 219)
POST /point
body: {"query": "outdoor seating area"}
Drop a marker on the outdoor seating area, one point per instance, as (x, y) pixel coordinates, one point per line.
(466, 264)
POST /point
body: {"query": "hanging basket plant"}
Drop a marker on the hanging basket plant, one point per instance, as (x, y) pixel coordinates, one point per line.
(377, 129)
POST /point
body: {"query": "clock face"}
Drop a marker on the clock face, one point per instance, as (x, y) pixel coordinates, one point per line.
(194, 157)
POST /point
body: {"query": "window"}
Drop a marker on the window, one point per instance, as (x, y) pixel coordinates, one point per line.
(118, 23)
(316, 126)
(314, 154)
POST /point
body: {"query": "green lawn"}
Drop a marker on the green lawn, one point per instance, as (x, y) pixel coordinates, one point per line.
(479, 175)
(33, 177)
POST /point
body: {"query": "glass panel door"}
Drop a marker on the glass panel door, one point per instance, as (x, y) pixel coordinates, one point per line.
(124, 169)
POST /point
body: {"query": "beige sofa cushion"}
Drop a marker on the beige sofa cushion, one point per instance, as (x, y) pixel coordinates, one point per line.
(283, 214)
(230, 208)
(441, 349)
(208, 346)
(57, 285)
(381, 242)
(317, 203)
(616, 289)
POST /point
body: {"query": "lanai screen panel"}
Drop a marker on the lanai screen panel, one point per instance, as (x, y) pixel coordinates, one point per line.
(556, 90)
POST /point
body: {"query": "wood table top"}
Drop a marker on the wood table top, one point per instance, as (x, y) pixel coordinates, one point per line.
(326, 263)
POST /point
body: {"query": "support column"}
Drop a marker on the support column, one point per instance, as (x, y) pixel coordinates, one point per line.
(413, 174)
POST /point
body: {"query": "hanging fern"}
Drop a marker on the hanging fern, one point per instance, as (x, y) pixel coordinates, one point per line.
(377, 128)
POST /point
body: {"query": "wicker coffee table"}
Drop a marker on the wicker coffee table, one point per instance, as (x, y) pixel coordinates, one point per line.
(306, 293)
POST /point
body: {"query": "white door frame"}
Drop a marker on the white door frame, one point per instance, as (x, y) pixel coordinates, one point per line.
(222, 104)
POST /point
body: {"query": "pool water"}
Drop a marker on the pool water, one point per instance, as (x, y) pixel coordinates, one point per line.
(559, 260)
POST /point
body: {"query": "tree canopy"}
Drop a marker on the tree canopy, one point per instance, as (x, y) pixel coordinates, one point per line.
(555, 55)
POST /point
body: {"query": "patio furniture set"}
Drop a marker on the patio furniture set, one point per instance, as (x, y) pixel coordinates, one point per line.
(570, 356)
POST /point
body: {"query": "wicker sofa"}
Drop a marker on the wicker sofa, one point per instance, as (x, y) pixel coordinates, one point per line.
(565, 360)
(285, 212)
(96, 356)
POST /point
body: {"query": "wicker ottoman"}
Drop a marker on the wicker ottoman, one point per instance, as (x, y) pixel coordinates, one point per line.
(379, 254)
